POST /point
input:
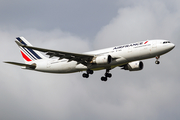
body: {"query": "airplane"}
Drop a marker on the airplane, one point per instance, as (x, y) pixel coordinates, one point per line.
(127, 57)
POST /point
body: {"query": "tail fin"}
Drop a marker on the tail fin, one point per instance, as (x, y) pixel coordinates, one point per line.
(27, 53)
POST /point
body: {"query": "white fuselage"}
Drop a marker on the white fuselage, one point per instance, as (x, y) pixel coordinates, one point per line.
(121, 55)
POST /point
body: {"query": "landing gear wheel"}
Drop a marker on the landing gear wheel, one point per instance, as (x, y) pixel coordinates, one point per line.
(90, 72)
(106, 75)
(85, 75)
(157, 62)
(109, 75)
(104, 78)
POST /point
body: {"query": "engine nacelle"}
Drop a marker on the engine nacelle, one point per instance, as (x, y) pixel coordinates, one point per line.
(134, 66)
(104, 59)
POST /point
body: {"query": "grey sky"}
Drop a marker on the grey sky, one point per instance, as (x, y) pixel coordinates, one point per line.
(82, 17)
(80, 26)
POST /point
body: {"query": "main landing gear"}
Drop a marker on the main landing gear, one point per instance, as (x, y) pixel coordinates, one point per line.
(107, 75)
(103, 78)
(86, 75)
(157, 58)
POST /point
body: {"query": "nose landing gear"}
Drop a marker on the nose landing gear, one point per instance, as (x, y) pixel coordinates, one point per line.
(157, 60)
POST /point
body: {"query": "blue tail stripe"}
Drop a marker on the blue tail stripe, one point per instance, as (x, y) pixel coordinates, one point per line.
(30, 50)
(29, 53)
(21, 41)
(29, 56)
(36, 55)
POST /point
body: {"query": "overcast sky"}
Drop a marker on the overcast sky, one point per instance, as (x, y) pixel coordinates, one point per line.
(80, 26)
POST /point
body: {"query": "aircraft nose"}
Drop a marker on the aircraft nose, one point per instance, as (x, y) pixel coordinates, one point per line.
(171, 46)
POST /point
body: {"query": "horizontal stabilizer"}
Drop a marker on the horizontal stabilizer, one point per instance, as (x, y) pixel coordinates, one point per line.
(33, 66)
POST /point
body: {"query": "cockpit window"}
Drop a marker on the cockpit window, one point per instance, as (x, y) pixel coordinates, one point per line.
(166, 42)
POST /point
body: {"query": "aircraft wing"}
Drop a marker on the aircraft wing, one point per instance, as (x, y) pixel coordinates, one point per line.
(80, 58)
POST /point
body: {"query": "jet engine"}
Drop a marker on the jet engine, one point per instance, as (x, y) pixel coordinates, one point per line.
(104, 59)
(134, 66)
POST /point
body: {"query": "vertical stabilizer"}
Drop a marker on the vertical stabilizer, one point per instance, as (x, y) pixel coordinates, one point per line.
(27, 53)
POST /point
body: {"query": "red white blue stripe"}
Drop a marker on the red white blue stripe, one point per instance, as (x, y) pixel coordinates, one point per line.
(27, 53)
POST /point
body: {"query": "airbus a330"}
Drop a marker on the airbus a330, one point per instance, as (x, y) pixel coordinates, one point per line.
(127, 57)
